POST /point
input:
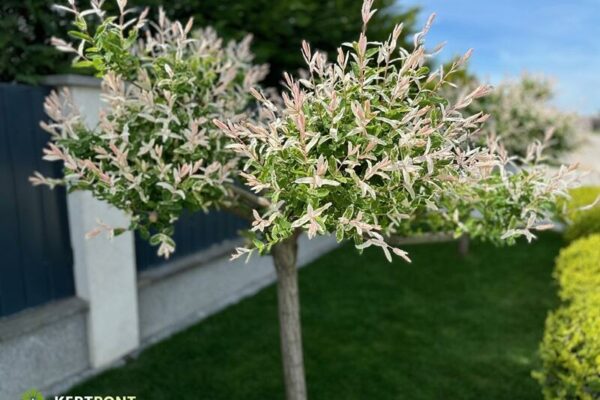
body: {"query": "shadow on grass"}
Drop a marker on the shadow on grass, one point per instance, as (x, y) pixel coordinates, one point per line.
(440, 328)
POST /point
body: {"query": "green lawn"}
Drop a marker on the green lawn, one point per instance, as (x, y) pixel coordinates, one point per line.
(439, 328)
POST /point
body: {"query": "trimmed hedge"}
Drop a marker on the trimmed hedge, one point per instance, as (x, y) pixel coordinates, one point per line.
(570, 349)
(578, 268)
(582, 223)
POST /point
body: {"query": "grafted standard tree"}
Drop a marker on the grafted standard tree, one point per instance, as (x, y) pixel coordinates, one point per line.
(366, 147)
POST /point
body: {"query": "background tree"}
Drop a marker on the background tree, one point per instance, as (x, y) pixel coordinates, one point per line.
(363, 147)
(595, 122)
(521, 112)
(278, 28)
(25, 29)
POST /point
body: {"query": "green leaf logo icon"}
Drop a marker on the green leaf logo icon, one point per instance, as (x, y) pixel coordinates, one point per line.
(32, 394)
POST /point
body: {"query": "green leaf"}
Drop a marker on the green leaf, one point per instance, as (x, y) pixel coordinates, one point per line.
(155, 239)
(83, 64)
(339, 233)
(81, 35)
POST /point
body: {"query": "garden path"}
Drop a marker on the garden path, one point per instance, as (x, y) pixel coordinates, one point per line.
(588, 156)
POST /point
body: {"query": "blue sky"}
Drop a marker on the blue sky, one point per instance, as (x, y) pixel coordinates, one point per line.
(560, 38)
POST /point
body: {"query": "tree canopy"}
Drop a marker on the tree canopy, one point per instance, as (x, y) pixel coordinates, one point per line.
(365, 146)
(278, 28)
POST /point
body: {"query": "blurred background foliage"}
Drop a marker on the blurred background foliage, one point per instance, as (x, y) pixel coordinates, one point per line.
(278, 27)
(26, 27)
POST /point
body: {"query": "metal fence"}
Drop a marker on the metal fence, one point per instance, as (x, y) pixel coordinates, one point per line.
(36, 262)
(35, 252)
(193, 232)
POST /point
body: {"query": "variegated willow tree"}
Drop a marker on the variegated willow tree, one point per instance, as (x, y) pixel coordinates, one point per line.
(364, 147)
(520, 112)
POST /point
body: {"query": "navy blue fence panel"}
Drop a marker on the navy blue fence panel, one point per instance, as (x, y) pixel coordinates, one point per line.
(36, 263)
(193, 232)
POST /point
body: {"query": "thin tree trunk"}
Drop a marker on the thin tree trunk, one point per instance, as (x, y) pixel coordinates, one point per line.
(284, 257)
(463, 245)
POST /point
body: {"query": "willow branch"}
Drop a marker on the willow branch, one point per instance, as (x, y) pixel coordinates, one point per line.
(247, 197)
(396, 240)
(239, 211)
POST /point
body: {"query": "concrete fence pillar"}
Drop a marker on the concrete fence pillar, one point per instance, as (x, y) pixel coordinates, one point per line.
(105, 276)
(104, 269)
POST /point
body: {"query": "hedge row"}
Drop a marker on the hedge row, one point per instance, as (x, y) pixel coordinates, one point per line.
(581, 223)
(578, 268)
(570, 349)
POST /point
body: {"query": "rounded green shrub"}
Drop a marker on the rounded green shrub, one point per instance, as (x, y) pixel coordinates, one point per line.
(581, 223)
(578, 268)
(570, 351)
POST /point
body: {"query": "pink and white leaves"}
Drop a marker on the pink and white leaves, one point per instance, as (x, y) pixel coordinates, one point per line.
(372, 133)
(155, 150)
(365, 147)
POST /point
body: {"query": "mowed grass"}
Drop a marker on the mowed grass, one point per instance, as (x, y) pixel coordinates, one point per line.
(440, 328)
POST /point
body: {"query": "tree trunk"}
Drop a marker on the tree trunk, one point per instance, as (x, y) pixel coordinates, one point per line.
(463, 245)
(284, 257)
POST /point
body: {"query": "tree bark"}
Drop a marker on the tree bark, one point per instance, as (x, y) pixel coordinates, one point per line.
(463, 245)
(284, 257)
